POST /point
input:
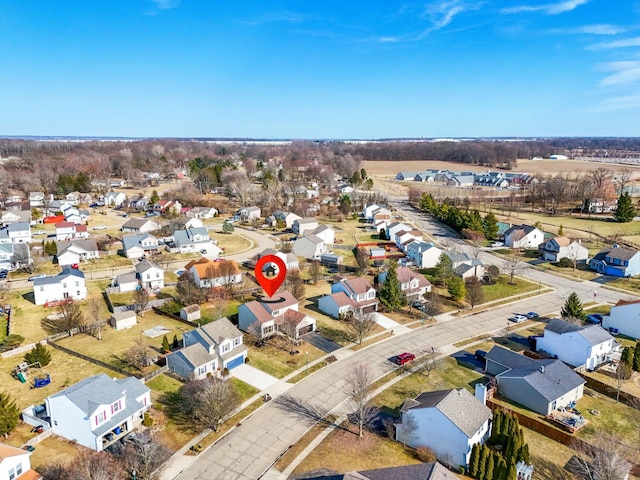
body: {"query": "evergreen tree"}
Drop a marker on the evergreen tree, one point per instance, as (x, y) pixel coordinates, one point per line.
(227, 227)
(636, 358)
(38, 354)
(390, 293)
(627, 357)
(382, 235)
(444, 269)
(488, 468)
(523, 454)
(496, 427)
(475, 460)
(490, 226)
(456, 288)
(573, 308)
(154, 197)
(625, 211)
(475, 222)
(500, 470)
(9, 414)
(561, 230)
(165, 344)
(175, 344)
(484, 454)
(50, 248)
(512, 473)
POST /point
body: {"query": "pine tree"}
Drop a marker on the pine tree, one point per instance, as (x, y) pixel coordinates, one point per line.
(627, 357)
(490, 226)
(475, 460)
(484, 454)
(165, 344)
(500, 470)
(475, 222)
(625, 211)
(175, 344)
(636, 358)
(390, 293)
(488, 468)
(495, 427)
(444, 269)
(456, 288)
(523, 454)
(9, 414)
(573, 308)
(154, 197)
(38, 354)
(561, 230)
(512, 473)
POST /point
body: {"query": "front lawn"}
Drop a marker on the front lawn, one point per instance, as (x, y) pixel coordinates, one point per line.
(503, 289)
(278, 362)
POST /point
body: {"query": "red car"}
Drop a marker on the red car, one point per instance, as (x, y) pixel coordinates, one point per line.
(405, 357)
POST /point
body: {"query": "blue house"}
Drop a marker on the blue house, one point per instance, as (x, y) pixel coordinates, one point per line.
(617, 262)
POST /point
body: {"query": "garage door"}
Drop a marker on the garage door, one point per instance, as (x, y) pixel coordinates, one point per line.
(236, 362)
(304, 330)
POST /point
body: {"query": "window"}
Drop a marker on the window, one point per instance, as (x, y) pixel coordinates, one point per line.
(115, 407)
(101, 417)
(64, 285)
(202, 370)
(77, 284)
(236, 341)
(225, 347)
(157, 274)
(19, 469)
(12, 474)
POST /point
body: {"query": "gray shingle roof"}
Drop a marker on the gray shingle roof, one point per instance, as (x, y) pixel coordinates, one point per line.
(419, 471)
(594, 334)
(621, 253)
(130, 241)
(144, 265)
(66, 272)
(458, 405)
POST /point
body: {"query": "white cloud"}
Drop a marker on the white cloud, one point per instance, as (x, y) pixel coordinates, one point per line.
(442, 14)
(549, 8)
(389, 39)
(619, 103)
(165, 4)
(602, 29)
(625, 73)
(628, 42)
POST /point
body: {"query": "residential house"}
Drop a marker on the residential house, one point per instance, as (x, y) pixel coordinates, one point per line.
(208, 350)
(523, 236)
(381, 221)
(69, 284)
(123, 320)
(202, 213)
(370, 211)
(171, 207)
(309, 246)
(464, 266)
(139, 202)
(70, 231)
(72, 252)
(57, 207)
(79, 198)
(210, 274)
(127, 282)
(248, 214)
(418, 471)
(188, 222)
(359, 291)
(75, 215)
(624, 317)
(423, 254)
(191, 313)
(325, 233)
(558, 248)
(15, 464)
(302, 225)
(113, 199)
(15, 216)
(405, 237)
(150, 275)
(396, 227)
(289, 259)
(265, 318)
(140, 225)
(36, 199)
(19, 232)
(577, 345)
(336, 305)
(14, 255)
(617, 262)
(97, 411)
(195, 240)
(449, 422)
(540, 385)
(461, 181)
(412, 284)
(135, 246)
(283, 218)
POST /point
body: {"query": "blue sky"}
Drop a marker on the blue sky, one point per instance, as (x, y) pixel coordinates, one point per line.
(326, 69)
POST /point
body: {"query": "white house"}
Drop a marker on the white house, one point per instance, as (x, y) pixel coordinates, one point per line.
(588, 345)
(123, 320)
(325, 233)
(302, 225)
(69, 284)
(113, 199)
(281, 217)
(13, 216)
(309, 246)
(36, 199)
(140, 225)
(370, 211)
(423, 254)
(97, 411)
(15, 464)
(14, 255)
(625, 317)
(202, 212)
(291, 262)
(135, 246)
(75, 251)
(150, 275)
(195, 240)
(69, 231)
(19, 232)
(265, 318)
(210, 274)
(523, 236)
(208, 350)
(404, 238)
(449, 422)
(558, 248)
(336, 305)
(248, 214)
(412, 284)
(396, 227)
(189, 222)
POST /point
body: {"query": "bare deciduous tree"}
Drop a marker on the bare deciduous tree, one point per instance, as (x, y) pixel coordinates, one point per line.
(359, 326)
(407, 429)
(513, 266)
(314, 271)
(70, 317)
(94, 466)
(433, 304)
(146, 459)
(142, 300)
(604, 459)
(358, 388)
(138, 355)
(295, 284)
(188, 292)
(209, 402)
(427, 363)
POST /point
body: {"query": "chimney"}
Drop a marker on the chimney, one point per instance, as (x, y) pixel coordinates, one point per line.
(541, 369)
(481, 393)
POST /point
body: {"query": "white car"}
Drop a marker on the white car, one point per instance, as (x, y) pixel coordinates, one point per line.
(518, 319)
(100, 227)
(39, 232)
(497, 244)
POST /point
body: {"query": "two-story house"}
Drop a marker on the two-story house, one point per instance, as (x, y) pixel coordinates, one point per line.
(577, 345)
(69, 284)
(404, 238)
(558, 248)
(208, 349)
(210, 274)
(412, 284)
(140, 225)
(394, 228)
(349, 295)
(69, 231)
(624, 317)
(248, 214)
(523, 236)
(13, 216)
(280, 217)
(15, 464)
(449, 422)
(202, 212)
(19, 232)
(309, 246)
(14, 255)
(195, 240)
(617, 262)
(150, 275)
(302, 225)
(72, 252)
(265, 318)
(423, 254)
(113, 199)
(370, 211)
(289, 259)
(135, 246)
(95, 412)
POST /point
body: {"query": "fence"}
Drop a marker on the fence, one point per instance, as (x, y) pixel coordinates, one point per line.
(93, 360)
(150, 305)
(172, 316)
(609, 391)
(154, 374)
(38, 438)
(19, 350)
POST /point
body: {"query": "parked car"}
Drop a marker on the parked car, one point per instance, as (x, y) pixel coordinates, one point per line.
(33, 277)
(203, 251)
(405, 357)
(594, 318)
(532, 315)
(418, 306)
(100, 227)
(518, 319)
(497, 244)
(3, 274)
(39, 232)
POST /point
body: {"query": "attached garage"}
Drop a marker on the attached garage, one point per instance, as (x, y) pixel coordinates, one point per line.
(305, 330)
(236, 362)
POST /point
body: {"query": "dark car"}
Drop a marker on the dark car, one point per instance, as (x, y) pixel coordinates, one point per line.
(480, 355)
(594, 318)
(418, 306)
(532, 315)
(405, 357)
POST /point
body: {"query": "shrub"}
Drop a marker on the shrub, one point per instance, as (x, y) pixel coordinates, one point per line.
(38, 354)
(425, 454)
(147, 421)
(564, 263)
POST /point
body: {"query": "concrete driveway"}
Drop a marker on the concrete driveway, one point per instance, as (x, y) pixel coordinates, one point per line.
(253, 376)
(385, 322)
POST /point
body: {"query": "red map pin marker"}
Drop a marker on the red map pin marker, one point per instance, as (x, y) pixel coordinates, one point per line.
(270, 284)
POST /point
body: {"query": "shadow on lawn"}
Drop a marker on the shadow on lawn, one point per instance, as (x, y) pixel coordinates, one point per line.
(311, 413)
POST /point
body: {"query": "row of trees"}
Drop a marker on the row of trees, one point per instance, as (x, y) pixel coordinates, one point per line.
(461, 219)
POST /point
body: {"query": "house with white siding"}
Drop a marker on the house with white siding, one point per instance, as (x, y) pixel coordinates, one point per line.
(624, 317)
(69, 284)
(423, 254)
(15, 464)
(140, 225)
(135, 246)
(267, 317)
(210, 274)
(72, 252)
(19, 232)
(302, 225)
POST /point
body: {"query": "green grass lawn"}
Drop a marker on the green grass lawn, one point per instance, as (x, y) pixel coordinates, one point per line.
(502, 288)
(244, 390)
(161, 385)
(582, 271)
(632, 284)
(232, 243)
(278, 362)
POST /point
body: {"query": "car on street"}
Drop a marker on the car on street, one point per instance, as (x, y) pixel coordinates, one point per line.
(532, 315)
(518, 319)
(33, 277)
(404, 358)
(3, 274)
(594, 318)
(100, 227)
(39, 232)
(497, 244)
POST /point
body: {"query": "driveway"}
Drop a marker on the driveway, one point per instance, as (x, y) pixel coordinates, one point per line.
(253, 376)
(385, 322)
(323, 343)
